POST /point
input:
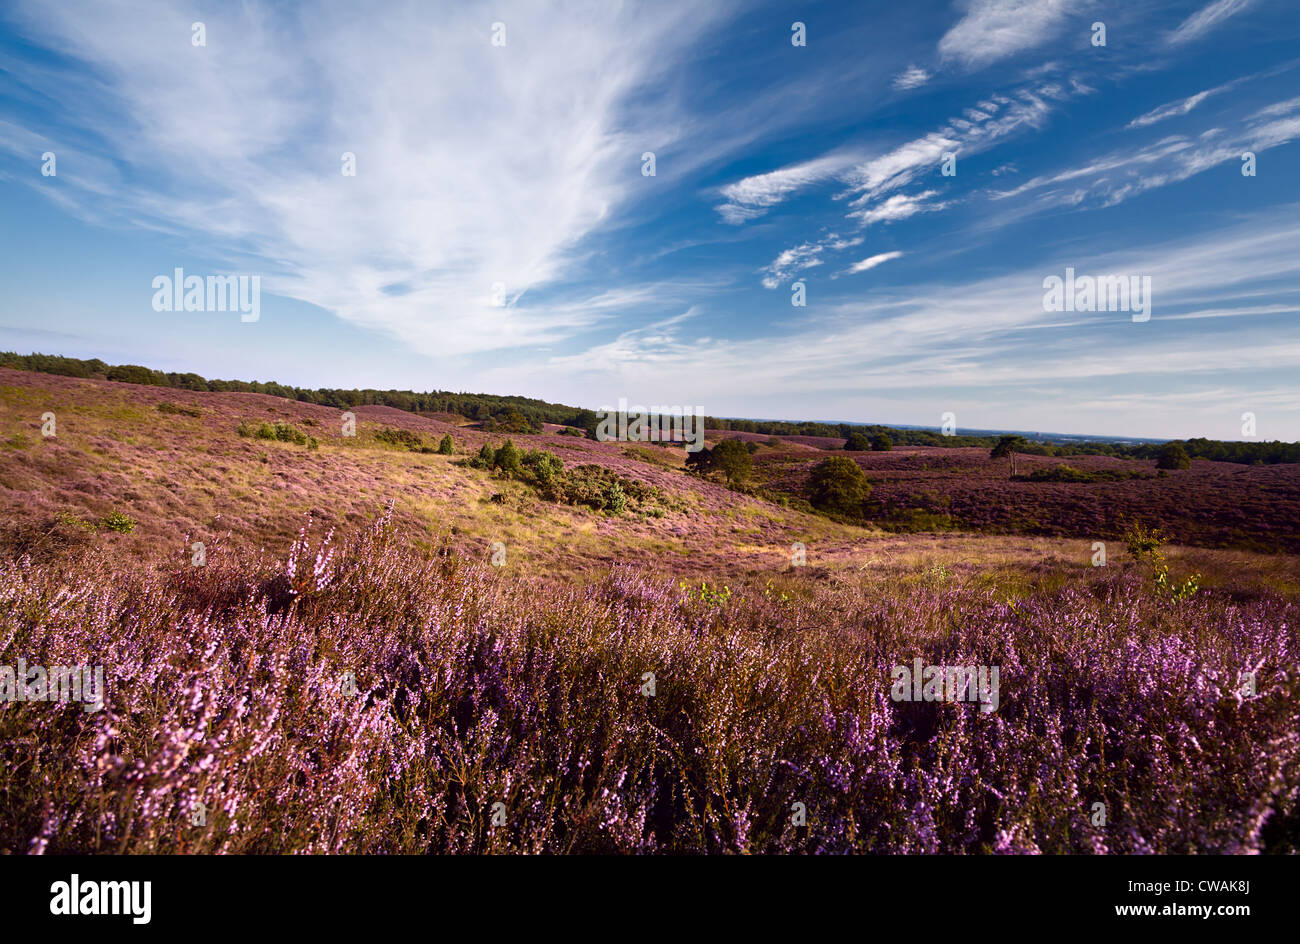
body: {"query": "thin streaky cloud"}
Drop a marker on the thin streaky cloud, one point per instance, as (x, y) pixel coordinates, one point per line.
(872, 261)
(1206, 19)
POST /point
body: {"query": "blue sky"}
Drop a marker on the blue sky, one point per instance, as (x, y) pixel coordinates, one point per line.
(500, 235)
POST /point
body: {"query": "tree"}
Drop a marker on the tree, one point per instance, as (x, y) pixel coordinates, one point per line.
(1173, 456)
(837, 485)
(700, 461)
(732, 458)
(587, 421)
(1006, 448)
(881, 442)
(446, 445)
(857, 442)
(513, 422)
(134, 373)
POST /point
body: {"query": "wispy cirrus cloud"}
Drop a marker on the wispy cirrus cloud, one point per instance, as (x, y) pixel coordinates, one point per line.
(898, 207)
(1123, 173)
(910, 78)
(751, 197)
(1171, 110)
(992, 337)
(871, 181)
(1206, 19)
(478, 166)
(790, 261)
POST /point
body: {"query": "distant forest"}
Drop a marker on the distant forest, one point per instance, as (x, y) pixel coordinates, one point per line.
(506, 412)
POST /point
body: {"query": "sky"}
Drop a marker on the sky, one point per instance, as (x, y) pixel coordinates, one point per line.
(584, 202)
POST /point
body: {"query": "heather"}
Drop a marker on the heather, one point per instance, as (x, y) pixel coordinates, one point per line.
(1211, 504)
(229, 685)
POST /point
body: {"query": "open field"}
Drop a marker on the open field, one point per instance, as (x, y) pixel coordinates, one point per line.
(469, 685)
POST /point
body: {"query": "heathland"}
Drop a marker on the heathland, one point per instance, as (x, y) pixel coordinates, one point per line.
(428, 631)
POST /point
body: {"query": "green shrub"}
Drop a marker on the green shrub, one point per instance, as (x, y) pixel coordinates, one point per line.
(285, 432)
(403, 438)
(172, 408)
(280, 432)
(615, 499)
(1144, 546)
(446, 446)
(592, 486)
(543, 467)
(508, 459)
(117, 521)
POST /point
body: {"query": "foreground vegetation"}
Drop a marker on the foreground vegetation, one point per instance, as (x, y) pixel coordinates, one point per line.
(361, 696)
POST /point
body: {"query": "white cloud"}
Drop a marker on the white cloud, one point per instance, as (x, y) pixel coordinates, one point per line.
(900, 166)
(1171, 110)
(476, 164)
(870, 180)
(1205, 19)
(994, 29)
(910, 78)
(1185, 105)
(1113, 178)
(872, 261)
(790, 261)
(990, 340)
(1278, 108)
(997, 118)
(751, 197)
(898, 207)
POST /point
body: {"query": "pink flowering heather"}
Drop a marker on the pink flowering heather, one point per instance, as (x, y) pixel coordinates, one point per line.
(366, 697)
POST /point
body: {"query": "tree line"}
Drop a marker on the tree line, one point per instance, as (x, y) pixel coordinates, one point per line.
(502, 411)
(506, 413)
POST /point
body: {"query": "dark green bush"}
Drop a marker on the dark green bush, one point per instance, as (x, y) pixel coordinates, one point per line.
(403, 438)
(838, 486)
